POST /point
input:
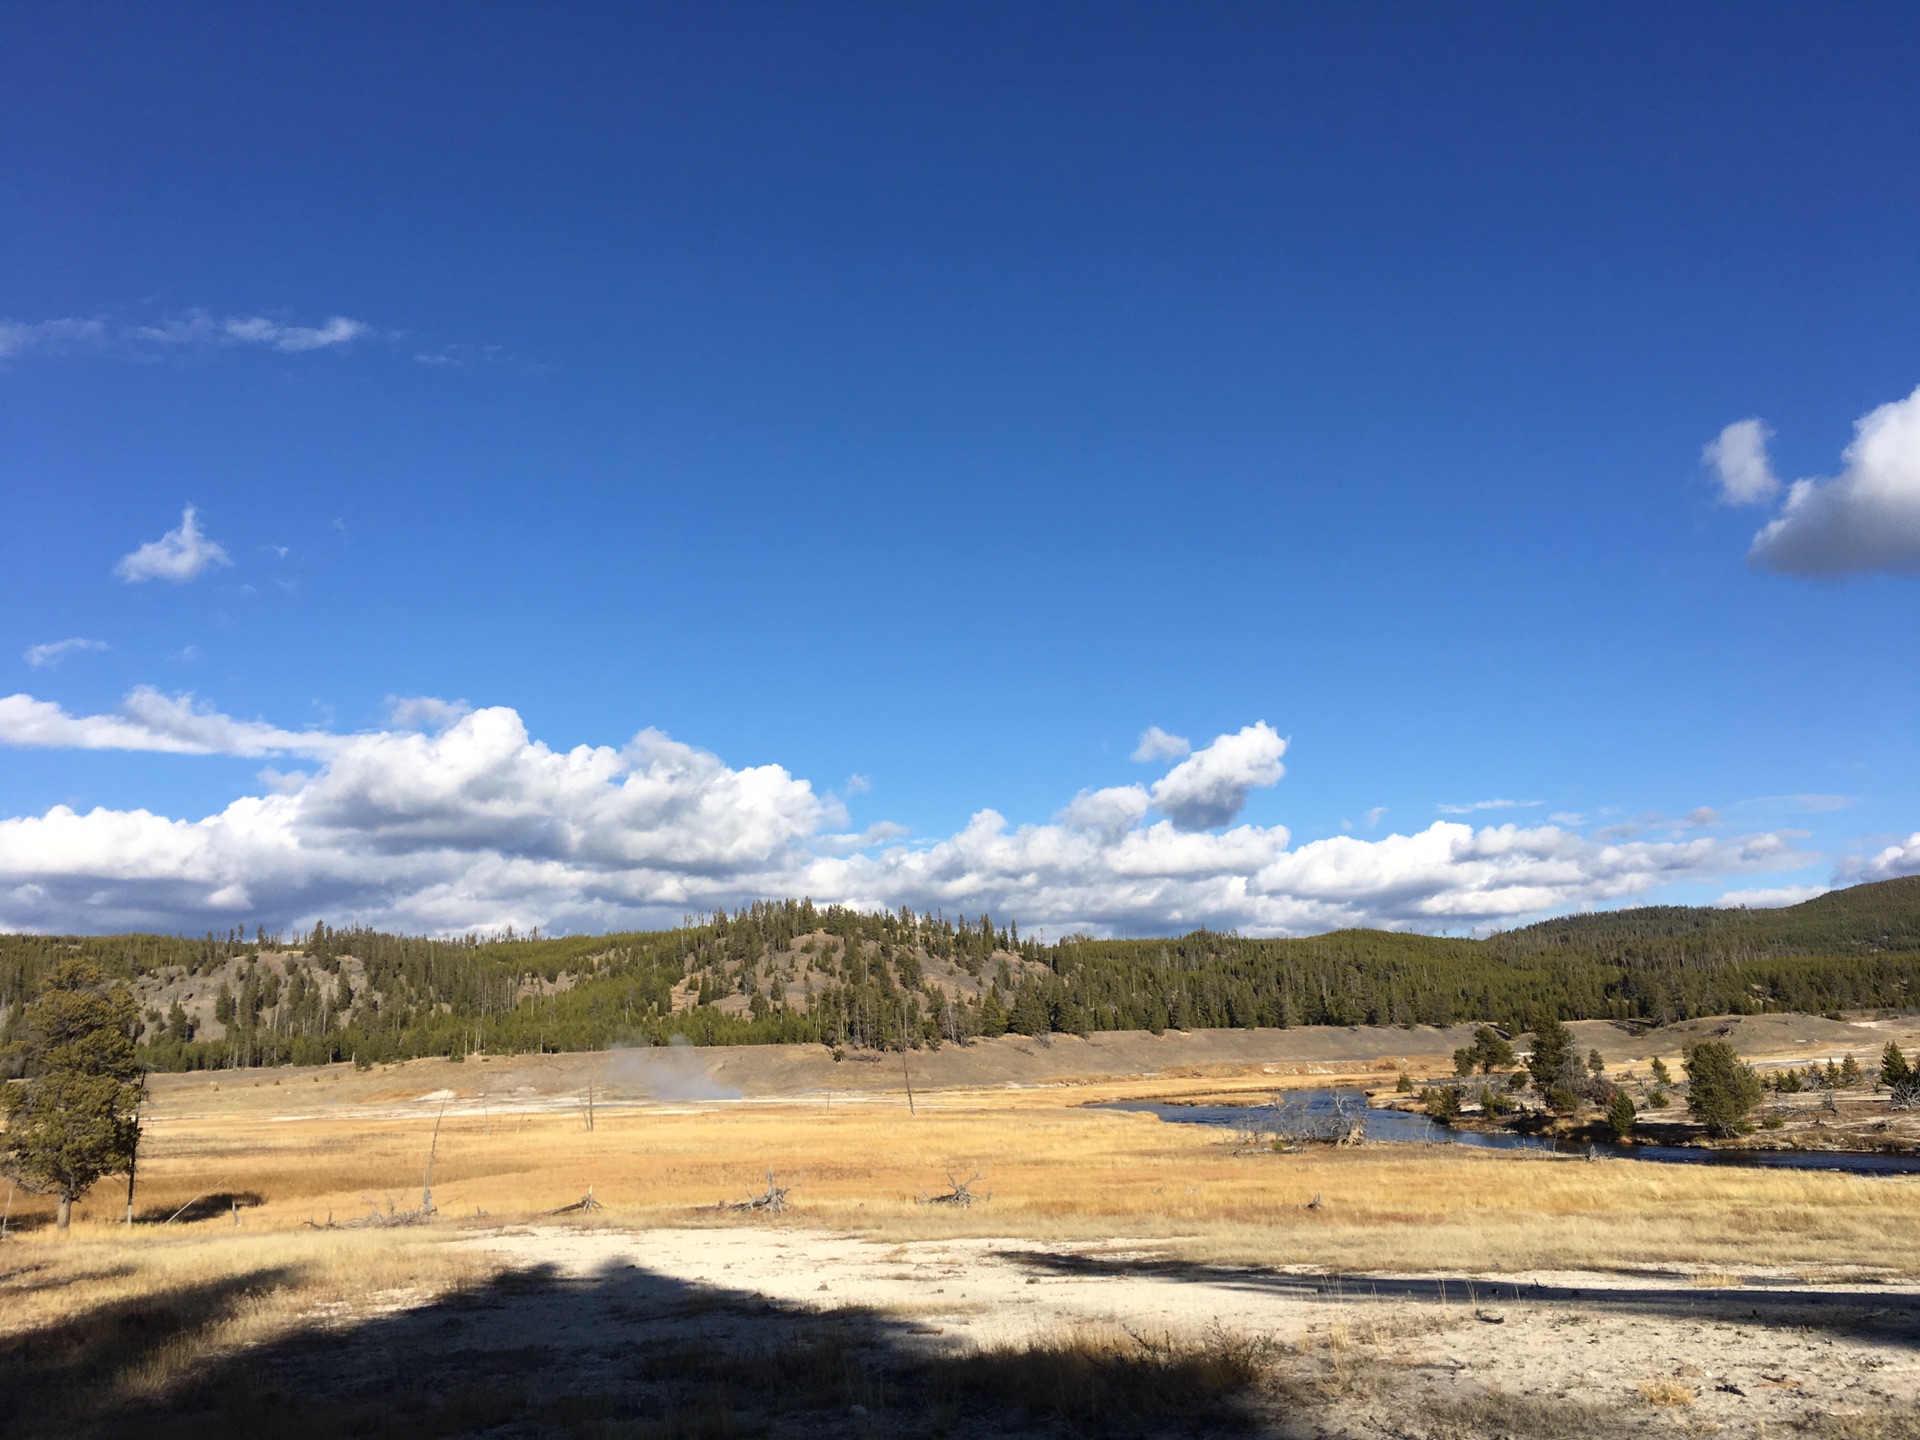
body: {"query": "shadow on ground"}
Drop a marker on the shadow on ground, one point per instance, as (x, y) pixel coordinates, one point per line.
(625, 1352)
(1860, 1312)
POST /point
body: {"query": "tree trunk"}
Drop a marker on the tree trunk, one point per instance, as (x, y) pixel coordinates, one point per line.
(64, 1215)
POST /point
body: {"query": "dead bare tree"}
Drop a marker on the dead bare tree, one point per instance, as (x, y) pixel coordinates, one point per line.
(903, 1065)
(133, 1160)
(184, 1208)
(584, 1204)
(377, 1219)
(1286, 1123)
(960, 1192)
(772, 1201)
(426, 1181)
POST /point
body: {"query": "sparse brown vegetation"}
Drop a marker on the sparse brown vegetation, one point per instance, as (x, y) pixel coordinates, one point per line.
(160, 1321)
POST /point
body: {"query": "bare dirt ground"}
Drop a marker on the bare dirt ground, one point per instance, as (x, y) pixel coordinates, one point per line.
(1125, 1276)
(1388, 1352)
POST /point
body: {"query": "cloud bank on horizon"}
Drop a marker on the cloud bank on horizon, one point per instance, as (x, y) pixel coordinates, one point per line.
(1865, 519)
(457, 819)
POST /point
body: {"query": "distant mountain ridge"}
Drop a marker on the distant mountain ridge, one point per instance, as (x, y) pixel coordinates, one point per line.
(791, 971)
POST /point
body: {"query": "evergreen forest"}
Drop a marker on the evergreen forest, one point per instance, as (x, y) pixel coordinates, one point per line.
(791, 971)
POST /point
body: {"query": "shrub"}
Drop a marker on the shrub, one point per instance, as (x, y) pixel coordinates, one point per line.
(1721, 1089)
(1441, 1102)
(1661, 1075)
(1404, 1085)
(1563, 1099)
(1657, 1100)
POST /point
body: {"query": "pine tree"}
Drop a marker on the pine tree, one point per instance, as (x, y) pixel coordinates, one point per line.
(1555, 1062)
(1621, 1116)
(1900, 1078)
(76, 1117)
(1721, 1090)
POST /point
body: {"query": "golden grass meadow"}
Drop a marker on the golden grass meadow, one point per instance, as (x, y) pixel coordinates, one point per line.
(270, 1258)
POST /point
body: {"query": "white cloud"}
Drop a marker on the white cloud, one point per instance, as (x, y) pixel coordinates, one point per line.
(1769, 899)
(1375, 815)
(292, 339)
(60, 336)
(179, 555)
(1209, 788)
(189, 330)
(54, 651)
(1865, 519)
(1477, 805)
(479, 826)
(1739, 458)
(1896, 860)
(153, 722)
(1110, 812)
(1157, 744)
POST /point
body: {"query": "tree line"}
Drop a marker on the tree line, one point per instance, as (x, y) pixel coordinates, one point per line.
(373, 997)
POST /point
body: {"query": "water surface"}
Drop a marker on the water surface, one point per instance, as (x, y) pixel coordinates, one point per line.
(1406, 1128)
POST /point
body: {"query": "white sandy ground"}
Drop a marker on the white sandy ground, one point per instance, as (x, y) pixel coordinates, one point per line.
(1790, 1351)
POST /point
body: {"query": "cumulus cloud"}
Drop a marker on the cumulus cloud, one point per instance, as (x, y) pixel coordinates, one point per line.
(1739, 459)
(1769, 898)
(1157, 744)
(1865, 519)
(1889, 864)
(1155, 878)
(178, 556)
(479, 825)
(54, 651)
(1209, 788)
(189, 330)
(149, 720)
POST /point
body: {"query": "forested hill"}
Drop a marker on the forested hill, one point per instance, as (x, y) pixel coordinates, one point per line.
(792, 971)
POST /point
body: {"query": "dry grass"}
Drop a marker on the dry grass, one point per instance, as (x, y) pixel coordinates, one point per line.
(1667, 1393)
(108, 1321)
(1056, 1171)
(98, 1324)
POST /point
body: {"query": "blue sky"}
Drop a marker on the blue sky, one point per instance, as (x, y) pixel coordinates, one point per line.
(926, 401)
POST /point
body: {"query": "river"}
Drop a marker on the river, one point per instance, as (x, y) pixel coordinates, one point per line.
(1400, 1127)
